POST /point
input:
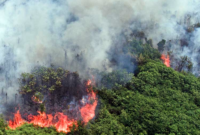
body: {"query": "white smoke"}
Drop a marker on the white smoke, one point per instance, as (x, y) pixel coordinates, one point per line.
(77, 34)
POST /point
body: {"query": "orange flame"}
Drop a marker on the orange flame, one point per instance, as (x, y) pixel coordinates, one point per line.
(88, 111)
(166, 60)
(44, 120)
(17, 121)
(63, 123)
(89, 82)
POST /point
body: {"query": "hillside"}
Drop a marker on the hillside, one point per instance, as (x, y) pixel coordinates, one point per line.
(157, 100)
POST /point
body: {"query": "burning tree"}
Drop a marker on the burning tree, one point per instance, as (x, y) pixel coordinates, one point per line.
(54, 97)
(51, 86)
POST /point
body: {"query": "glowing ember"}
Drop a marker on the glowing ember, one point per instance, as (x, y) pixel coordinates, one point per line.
(166, 60)
(17, 121)
(35, 99)
(60, 121)
(89, 82)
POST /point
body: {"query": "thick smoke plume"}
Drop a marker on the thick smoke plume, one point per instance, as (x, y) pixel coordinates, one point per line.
(80, 34)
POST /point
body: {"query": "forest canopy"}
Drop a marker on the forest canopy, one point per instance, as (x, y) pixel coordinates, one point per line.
(154, 100)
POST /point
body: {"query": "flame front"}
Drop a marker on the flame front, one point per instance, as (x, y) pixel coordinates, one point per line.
(17, 121)
(60, 121)
(166, 60)
(63, 124)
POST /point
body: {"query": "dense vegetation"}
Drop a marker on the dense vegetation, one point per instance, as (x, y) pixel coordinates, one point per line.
(156, 100)
(52, 86)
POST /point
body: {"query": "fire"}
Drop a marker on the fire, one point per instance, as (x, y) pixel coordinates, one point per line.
(89, 82)
(60, 121)
(63, 123)
(17, 121)
(35, 99)
(88, 111)
(42, 120)
(166, 60)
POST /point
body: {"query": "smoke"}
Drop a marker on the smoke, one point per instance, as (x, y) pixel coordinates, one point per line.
(81, 34)
(187, 45)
